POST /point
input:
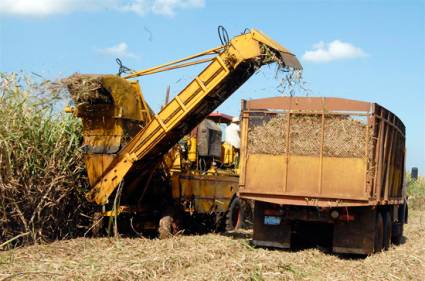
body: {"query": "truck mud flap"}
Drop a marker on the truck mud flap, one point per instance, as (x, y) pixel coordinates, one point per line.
(357, 236)
(270, 230)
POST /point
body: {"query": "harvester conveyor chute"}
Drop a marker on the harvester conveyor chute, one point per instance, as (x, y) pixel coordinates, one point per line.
(233, 64)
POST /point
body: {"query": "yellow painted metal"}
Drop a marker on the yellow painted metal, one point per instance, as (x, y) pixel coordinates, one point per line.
(263, 38)
(161, 67)
(172, 160)
(242, 48)
(96, 165)
(127, 99)
(142, 106)
(204, 193)
(106, 126)
(270, 177)
(102, 190)
(180, 65)
(69, 109)
(228, 154)
(113, 213)
(212, 170)
(192, 152)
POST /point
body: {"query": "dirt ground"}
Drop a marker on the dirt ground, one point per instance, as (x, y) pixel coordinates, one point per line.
(209, 257)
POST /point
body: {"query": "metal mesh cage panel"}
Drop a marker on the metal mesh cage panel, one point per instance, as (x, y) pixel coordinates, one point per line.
(337, 135)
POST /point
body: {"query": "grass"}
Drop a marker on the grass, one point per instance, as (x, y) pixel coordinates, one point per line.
(41, 167)
(209, 257)
(416, 193)
(416, 188)
(213, 257)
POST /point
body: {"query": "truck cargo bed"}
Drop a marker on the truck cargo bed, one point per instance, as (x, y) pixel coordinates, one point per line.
(321, 152)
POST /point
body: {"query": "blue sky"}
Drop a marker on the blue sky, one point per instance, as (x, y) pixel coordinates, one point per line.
(366, 50)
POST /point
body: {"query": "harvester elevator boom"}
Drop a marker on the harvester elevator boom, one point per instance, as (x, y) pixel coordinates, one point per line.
(231, 65)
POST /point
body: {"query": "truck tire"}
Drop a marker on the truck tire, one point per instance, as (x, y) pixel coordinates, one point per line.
(396, 239)
(398, 227)
(379, 233)
(234, 215)
(247, 207)
(388, 229)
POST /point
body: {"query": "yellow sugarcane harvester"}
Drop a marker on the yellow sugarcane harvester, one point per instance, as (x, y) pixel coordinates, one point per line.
(148, 166)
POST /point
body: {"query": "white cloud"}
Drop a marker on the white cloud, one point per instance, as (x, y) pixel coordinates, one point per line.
(49, 7)
(28, 7)
(40, 8)
(335, 50)
(120, 50)
(139, 7)
(168, 7)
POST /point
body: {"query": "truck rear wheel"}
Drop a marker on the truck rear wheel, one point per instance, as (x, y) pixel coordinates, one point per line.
(396, 238)
(379, 233)
(398, 227)
(388, 227)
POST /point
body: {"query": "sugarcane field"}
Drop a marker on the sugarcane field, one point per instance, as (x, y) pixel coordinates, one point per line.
(212, 140)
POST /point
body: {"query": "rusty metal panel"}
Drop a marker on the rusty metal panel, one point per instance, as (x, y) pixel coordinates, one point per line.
(101, 144)
(175, 186)
(389, 156)
(101, 125)
(269, 177)
(344, 177)
(303, 175)
(243, 147)
(96, 165)
(126, 97)
(206, 192)
(308, 103)
(294, 199)
(328, 171)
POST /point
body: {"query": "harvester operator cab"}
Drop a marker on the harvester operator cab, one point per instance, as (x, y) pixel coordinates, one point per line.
(208, 148)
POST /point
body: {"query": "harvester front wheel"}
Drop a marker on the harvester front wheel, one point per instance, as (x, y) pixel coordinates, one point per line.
(234, 215)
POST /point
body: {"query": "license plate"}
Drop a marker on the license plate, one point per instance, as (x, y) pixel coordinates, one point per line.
(272, 220)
